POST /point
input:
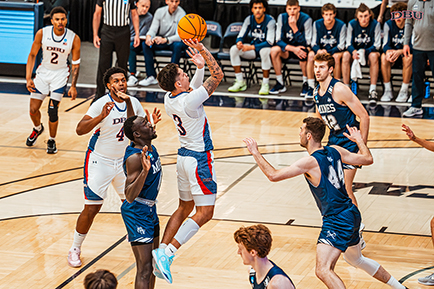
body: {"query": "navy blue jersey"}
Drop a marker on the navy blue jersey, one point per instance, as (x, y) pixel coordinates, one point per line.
(393, 36)
(368, 38)
(285, 35)
(332, 40)
(335, 115)
(153, 179)
(275, 270)
(330, 195)
(262, 34)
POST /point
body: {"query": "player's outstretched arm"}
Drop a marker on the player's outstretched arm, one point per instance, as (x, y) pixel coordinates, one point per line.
(429, 145)
(75, 67)
(88, 123)
(137, 170)
(343, 94)
(216, 77)
(31, 60)
(364, 157)
(300, 167)
(198, 60)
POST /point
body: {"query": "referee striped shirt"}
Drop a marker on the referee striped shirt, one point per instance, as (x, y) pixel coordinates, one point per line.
(116, 12)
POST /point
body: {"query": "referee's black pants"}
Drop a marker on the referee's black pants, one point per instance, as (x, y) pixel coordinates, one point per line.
(113, 38)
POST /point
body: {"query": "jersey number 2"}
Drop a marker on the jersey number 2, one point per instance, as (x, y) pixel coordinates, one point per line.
(181, 129)
(54, 58)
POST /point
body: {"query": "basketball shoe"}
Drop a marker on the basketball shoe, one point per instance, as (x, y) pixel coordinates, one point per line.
(162, 263)
(51, 146)
(74, 258)
(33, 136)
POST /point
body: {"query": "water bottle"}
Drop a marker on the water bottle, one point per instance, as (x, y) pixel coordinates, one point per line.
(427, 89)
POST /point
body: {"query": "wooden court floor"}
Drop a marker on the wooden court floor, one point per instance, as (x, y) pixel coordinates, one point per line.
(41, 197)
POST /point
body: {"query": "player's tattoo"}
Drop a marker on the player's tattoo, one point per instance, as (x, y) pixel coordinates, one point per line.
(74, 75)
(216, 73)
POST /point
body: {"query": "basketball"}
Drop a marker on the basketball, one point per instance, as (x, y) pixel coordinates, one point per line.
(192, 26)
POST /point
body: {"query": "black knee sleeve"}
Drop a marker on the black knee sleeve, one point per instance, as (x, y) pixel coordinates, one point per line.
(53, 108)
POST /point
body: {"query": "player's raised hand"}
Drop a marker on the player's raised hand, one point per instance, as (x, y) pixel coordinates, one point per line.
(354, 135)
(107, 108)
(195, 57)
(72, 92)
(194, 43)
(408, 131)
(251, 144)
(30, 85)
(146, 162)
(121, 95)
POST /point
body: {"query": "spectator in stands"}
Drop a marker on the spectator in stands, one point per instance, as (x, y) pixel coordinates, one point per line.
(384, 3)
(293, 37)
(261, 27)
(363, 39)
(420, 28)
(393, 44)
(328, 36)
(145, 20)
(101, 279)
(163, 35)
(115, 36)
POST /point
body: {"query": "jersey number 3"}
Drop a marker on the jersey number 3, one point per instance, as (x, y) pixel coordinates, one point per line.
(181, 129)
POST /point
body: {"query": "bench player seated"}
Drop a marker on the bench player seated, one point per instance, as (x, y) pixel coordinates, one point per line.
(393, 55)
(363, 38)
(328, 36)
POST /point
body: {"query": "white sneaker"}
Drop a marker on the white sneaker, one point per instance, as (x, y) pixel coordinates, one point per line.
(387, 96)
(74, 258)
(413, 111)
(148, 81)
(402, 96)
(428, 280)
(132, 81)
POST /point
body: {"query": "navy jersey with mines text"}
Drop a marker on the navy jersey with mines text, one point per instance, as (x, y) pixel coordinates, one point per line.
(262, 34)
(332, 40)
(335, 115)
(153, 179)
(285, 35)
(330, 195)
(393, 36)
(368, 38)
(275, 270)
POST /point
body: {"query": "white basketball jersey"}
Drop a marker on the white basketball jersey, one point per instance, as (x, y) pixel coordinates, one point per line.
(108, 138)
(56, 49)
(194, 133)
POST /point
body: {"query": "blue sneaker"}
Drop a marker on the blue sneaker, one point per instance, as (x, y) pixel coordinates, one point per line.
(155, 270)
(162, 263)
(278, 88)
(354, 86)
(304, 89)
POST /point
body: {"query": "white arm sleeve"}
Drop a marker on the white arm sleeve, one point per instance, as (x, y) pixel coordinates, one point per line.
(197, 80)
(194, 102)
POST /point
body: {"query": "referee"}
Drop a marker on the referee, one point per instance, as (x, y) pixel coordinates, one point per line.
(115, 35)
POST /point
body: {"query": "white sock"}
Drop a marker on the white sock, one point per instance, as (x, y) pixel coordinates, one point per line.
(373, 87)
(39, 127)
(78, 240)
(404, 86)
(162, 246)
(51, 138)
(393, 283)
(186, 231)
(311, 83)
(265, 80)
(304, 79)
(279, 79)
(239, 76)
(170, 250)
(387, 86)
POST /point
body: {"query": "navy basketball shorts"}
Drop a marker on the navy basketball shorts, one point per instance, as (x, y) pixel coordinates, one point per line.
(141, 222)
(341, 230)
(344, 142)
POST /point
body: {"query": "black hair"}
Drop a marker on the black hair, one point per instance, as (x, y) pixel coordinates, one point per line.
(111, 71)
(167, 77)
(128, 127)
(58, 9)
(264, 2)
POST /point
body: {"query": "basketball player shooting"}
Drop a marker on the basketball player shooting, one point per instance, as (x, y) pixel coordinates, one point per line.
(197, 183)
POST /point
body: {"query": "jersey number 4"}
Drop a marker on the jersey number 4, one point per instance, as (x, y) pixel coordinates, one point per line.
(120, 135)
(178, 121)
(336, 178)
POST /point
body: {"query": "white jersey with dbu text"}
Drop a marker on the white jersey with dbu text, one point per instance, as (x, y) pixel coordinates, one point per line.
(187, 112)
(108, 138)
(56, 49)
